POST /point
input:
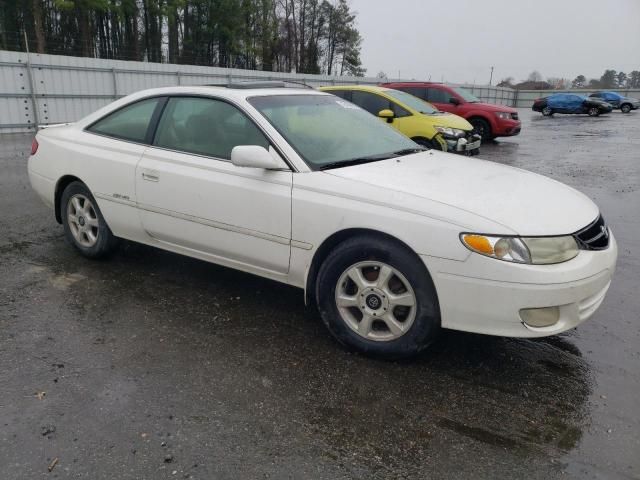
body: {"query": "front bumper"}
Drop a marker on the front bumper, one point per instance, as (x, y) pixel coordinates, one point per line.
(484, 295)
(469, 145)
(507, 128)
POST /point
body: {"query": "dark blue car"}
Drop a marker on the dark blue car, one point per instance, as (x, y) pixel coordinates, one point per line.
(570, 103)
(626, 104)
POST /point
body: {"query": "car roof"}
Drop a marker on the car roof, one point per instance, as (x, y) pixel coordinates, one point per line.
(363, 88)
(221, 91)
(418, 84)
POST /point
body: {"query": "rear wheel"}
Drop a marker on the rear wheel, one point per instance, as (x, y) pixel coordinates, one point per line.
(377, 297)
(593, 111)
(482, 128)
(625, 107)
(547, 111)
(84, 225)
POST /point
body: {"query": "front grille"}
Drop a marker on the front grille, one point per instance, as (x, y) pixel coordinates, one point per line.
(514, 116)
(594, 236)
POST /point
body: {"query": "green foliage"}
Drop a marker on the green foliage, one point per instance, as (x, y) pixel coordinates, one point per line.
(308, 36)
(609, 79)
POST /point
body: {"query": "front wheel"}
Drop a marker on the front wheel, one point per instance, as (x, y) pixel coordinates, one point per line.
(594, 111)
(626, 108)
(547, 111)
(84, 225)
(482, 128)
(377, 297)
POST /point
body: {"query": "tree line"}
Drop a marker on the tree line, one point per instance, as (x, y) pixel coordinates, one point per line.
(305, 36)
(609, 79)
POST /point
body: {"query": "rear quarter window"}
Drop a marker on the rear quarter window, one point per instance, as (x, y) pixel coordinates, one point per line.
(128, 123)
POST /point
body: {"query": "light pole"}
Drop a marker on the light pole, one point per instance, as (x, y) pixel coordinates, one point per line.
(491, 76)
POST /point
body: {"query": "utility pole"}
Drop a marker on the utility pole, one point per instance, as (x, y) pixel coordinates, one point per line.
(491, 77)
(34, 102)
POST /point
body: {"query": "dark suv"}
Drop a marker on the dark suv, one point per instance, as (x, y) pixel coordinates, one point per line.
(488, 119)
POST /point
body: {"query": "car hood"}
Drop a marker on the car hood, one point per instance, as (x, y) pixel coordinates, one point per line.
(450, 120)
(523, 202)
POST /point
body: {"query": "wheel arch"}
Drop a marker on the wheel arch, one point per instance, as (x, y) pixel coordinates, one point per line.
(421, 138)
(331, 242)
(481, 116)
(62, 183)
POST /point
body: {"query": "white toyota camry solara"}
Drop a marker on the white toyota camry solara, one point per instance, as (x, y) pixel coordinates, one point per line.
(391, 241)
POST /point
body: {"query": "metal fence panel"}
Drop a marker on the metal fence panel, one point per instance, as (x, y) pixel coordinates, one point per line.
(65, 89)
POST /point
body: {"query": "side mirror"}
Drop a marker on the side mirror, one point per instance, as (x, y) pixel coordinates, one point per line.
(454, 101)
(387, 114)
(255, 156)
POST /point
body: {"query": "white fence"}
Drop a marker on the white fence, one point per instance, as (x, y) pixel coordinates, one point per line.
(44, 89)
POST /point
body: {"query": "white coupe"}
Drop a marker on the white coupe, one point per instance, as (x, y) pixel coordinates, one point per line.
(389, 240)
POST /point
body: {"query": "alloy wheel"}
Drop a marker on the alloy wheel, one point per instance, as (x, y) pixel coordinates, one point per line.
(376, 301)
(83, 220)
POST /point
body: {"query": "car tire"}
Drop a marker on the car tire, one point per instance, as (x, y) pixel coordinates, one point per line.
(625, 107)
(593, 111)
(547, 111)
(84, 225)
(482, 127)
(400, 310)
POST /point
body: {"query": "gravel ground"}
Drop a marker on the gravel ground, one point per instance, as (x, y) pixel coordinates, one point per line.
(151, 365)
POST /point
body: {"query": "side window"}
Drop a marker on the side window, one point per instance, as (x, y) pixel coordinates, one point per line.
(597, 95)
(419, 92)
(206, 126)
(437, 95)
(128, 123)
(398, 111)
(370, 102)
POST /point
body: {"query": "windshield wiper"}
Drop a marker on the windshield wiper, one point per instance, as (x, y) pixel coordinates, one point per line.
(409, 151)
(356, 161)
(372, 158)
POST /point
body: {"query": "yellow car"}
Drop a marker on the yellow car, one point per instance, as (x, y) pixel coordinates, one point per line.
(413, 117)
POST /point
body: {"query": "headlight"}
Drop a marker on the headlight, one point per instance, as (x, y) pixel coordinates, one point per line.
(531, 250)
(450, 132)
(503, 115)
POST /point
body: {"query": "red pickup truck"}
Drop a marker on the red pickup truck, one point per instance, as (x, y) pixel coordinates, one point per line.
(489, 120)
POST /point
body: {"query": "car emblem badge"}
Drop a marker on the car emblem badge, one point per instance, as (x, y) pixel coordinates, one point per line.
(373, 302)
(604, 231)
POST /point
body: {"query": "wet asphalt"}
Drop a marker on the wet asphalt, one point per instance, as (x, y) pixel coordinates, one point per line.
(150, 365)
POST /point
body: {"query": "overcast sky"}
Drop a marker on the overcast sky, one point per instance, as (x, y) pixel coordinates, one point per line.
(460, 40)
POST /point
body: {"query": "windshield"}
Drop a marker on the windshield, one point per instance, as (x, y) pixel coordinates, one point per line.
(468, 96)
(325, 129)
(412, 102)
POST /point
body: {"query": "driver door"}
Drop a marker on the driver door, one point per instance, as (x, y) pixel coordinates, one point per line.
(191, 196)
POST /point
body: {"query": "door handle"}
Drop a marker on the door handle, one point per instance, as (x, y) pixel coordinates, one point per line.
(150, 177)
